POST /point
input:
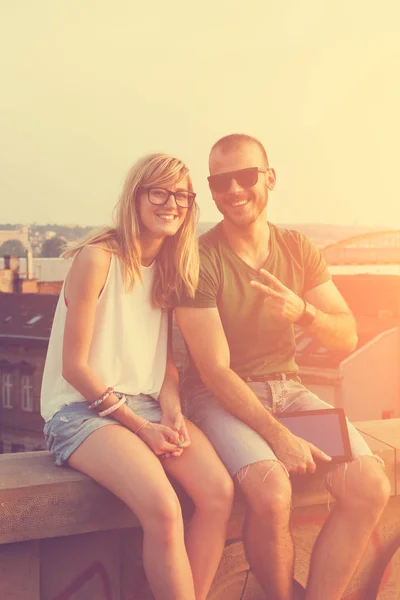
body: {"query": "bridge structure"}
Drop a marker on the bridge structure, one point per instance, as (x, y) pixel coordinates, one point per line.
(377, 248)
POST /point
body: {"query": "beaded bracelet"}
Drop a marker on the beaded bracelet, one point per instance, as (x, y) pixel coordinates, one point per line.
(103, 397)
(111, 409)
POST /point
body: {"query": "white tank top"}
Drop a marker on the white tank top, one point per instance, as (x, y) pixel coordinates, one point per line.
(129, 344)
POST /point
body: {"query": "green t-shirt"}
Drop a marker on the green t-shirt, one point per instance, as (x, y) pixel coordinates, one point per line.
(259, 344)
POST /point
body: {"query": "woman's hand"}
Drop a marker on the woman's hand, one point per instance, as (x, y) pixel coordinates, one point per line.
(176, 421)
(160, 438)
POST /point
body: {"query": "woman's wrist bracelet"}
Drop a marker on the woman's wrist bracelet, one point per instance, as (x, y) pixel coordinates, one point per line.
(111, 409)
(140, 426)
(103, 397)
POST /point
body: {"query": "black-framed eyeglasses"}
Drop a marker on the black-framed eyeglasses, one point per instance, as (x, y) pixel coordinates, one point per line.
(246, 178)
(160, 196)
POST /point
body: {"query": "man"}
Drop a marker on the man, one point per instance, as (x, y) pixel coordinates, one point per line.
(256, 281)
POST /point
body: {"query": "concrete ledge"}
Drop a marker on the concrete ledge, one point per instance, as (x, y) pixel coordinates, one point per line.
(39, 500)
(383, 437)
(62, 536)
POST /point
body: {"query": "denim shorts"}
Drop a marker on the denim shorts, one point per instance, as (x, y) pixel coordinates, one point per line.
(73, 423)
(235, 442)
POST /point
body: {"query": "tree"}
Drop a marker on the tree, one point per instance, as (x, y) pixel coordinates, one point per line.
(53, 247)
(13, 248)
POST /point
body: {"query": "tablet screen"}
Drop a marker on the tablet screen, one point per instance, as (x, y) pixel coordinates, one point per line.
(325, 429)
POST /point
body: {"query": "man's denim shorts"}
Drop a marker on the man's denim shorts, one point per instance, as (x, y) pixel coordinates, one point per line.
(237, 444)
(73, 423)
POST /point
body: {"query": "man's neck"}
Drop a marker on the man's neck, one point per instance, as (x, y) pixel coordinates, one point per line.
(251, 243)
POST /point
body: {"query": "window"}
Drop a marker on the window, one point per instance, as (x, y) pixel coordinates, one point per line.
(27, 392)
(34, 320)
(6, 389)
(321, 350)
(302, 343)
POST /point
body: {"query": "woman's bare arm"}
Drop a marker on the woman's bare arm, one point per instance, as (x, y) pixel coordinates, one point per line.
(84, 284)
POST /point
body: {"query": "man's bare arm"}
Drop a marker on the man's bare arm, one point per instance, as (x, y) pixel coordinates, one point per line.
(204, 334)
(333, 324)
(205, 337)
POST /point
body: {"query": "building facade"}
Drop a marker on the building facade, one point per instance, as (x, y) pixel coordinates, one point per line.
(25, 327)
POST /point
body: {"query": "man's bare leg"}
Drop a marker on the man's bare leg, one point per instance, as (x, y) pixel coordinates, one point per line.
(361, 489)
(266, 536)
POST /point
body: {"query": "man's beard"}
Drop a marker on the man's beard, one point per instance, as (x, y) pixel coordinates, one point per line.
(244, 220)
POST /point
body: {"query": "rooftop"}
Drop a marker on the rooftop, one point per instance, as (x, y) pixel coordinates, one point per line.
(27, 315)
(311, 353)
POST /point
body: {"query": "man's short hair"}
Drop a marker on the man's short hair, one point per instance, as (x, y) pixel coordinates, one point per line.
(234, 141)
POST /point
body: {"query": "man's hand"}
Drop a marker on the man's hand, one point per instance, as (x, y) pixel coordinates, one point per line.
(296, 454)
(282, 302)
(176, 421)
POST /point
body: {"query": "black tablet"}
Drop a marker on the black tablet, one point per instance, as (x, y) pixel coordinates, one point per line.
(326, 429)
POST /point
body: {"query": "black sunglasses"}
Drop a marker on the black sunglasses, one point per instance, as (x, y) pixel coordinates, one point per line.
(246, 178)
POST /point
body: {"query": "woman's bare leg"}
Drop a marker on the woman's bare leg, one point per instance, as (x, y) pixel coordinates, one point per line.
(121, 462)
(205, 479)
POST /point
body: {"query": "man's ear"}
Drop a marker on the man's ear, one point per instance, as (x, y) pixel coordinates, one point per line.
(271, 179)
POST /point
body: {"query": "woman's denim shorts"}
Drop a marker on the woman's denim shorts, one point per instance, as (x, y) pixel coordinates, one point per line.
(73, 423)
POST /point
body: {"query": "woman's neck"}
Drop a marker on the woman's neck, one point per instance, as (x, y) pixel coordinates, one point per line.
(150, 247)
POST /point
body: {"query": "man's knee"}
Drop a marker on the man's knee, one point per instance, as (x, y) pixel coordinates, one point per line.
(362, 485)
(267, 490)
(374, 489)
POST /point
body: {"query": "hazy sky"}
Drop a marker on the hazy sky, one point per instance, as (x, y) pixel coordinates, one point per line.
(90, 85)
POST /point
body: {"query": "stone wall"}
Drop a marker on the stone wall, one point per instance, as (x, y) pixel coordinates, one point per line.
(63, 537)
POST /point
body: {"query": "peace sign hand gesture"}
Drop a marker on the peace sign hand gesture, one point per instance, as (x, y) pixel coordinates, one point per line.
(281, 301)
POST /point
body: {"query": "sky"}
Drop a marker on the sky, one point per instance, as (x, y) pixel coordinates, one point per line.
(89, 86)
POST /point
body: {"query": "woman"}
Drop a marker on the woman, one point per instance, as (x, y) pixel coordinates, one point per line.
(110, 388)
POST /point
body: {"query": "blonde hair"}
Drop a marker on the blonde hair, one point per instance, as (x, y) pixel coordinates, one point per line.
(177, 264)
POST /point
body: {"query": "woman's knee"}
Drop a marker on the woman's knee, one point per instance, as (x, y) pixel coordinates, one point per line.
(216, 496)
(163, 516)
(268, 491)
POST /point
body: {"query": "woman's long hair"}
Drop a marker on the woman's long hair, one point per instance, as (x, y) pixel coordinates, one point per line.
(177, 264)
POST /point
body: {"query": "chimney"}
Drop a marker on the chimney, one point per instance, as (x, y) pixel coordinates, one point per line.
(29, 264)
